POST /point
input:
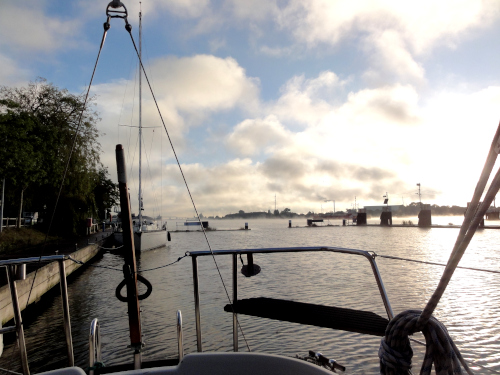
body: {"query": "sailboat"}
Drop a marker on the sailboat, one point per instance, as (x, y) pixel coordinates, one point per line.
(148, 234)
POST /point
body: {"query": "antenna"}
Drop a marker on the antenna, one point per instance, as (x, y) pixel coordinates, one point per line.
(386, 200)
(419, 195)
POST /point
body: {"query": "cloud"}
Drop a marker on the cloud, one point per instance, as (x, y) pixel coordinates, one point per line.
(305, 101)
(205, 82)
(39, 32)
(188, 91)
(391, 60)
(283, 168)
(423, 24)
(395, 35)
(152, 9)
(396, 104)
(11, 74)
(252, 136)
(302, 186)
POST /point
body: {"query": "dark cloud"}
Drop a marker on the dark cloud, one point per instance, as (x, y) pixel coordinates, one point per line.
(283, 167)
(371, 173)
(399, 111)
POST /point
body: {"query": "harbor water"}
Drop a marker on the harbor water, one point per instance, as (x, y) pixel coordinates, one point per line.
(469, 309)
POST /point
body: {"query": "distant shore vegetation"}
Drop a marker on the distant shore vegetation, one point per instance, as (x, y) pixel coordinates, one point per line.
(410, 210)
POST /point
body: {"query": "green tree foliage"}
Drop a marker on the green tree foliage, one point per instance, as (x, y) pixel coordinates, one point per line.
(38, 124)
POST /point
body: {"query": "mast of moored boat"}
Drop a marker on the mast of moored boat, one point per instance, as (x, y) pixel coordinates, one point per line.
(140, 120)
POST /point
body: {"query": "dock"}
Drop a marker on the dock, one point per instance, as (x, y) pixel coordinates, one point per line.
(47, 276)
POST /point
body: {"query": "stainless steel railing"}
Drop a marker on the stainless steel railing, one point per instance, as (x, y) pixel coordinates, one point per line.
(234, 253)
(95, 354)
(180, 336)
(11, 266)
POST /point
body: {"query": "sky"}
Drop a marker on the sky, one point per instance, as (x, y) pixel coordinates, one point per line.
(305, 104)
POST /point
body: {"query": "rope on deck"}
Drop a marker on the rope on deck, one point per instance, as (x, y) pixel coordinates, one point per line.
(395, 351)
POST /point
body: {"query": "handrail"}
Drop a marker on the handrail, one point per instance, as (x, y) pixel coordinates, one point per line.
(195, 254)
(95, 354)
(44, 259)
(10, 264)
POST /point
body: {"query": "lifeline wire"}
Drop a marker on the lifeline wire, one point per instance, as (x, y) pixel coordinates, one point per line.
(121, 270)
(432, 263)
(187, 187)
(70, 154)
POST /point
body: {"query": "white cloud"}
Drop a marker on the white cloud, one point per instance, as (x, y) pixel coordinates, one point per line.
(188, 90)
(421, 24)
(11, 74)
(306, 100)
(24, 26)
(395, 34)
(205, 82)
(252, 136)
(391, 60)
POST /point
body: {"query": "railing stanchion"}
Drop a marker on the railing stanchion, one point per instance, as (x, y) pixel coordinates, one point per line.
(180, 336)
(235, 301)
(381, 288)
(18, 319)
(197, 303)
(94, 345)
(65, 306)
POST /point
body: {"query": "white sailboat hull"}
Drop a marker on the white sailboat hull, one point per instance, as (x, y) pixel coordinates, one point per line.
(145, 240)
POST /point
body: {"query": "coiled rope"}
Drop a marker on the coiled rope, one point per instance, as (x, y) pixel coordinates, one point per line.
(395, 351)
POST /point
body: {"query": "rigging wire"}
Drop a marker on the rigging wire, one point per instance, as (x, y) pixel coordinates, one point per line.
(151, 185)
(187, 187)
(77, 130)
(121, 269)
(432, 263)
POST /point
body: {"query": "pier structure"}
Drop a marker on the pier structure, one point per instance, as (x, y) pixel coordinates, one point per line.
(425, 216)
(361, 217)
(386, 217)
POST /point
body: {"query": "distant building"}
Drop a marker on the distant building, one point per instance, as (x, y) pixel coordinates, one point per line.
(381, 207)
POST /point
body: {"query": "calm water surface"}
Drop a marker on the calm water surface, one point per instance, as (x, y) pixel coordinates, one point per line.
(469, 308)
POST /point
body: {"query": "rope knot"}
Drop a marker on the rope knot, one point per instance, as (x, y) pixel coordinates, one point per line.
(395, 352)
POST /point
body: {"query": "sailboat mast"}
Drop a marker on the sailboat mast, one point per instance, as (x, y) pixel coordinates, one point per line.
(140, 121)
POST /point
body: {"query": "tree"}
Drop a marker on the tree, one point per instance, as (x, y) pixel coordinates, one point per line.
(49, 118)
(105, 193)
(22, 152)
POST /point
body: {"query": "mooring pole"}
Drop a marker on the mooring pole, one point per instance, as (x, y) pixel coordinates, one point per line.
(129, 269)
